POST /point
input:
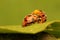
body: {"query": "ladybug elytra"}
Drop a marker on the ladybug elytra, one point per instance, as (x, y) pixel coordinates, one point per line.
(36, 16)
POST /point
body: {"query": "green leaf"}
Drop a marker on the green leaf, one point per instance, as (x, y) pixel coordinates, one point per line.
(34, 28)
(54, 29)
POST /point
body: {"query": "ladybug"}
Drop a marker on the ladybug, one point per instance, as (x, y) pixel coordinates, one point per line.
(42, 17)
(36, 16)
(29, 19)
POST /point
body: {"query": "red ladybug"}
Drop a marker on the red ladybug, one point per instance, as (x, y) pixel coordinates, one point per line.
(29, 19)
(41, 15)
(35, 16)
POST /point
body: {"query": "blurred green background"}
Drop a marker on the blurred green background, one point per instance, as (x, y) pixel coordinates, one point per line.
(12, 12)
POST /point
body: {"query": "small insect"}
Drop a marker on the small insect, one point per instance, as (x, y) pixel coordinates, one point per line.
(36, 16)
(29, 19)
(41, 15)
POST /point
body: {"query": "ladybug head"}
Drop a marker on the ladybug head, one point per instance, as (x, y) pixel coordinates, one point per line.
(37, 12)
(41, 15)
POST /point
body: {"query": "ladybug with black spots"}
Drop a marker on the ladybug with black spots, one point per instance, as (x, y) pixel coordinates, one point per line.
(42, 17)
(36, 16)
(29, 19)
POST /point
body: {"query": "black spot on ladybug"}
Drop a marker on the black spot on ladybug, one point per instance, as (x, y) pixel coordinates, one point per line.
(25, 20)
(39, 16)
(45, 19)
(43, 15)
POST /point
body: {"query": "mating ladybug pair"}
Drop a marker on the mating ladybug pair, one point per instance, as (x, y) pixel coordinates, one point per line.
(36, 16)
